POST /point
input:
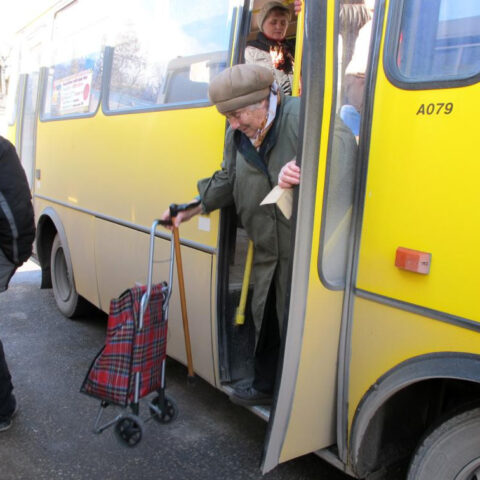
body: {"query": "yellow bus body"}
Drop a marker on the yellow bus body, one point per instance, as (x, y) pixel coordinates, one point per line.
(377, 359)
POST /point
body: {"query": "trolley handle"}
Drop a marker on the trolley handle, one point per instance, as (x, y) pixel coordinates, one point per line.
(175, 208)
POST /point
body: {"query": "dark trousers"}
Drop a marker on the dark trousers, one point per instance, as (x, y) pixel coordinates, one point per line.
(268, 348)
(7, 400)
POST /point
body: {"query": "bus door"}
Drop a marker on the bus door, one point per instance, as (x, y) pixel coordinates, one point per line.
(28, 126)
(303, 419)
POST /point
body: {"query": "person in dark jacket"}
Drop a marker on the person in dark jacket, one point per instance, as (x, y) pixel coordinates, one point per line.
(17, 232)
(260, 147)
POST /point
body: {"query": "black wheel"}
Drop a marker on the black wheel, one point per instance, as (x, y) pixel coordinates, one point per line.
(129, 430)
(451, 451)
(163, 413)
(69, 302)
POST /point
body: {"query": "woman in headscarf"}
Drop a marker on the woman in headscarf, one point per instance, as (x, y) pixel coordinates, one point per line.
(271, 49)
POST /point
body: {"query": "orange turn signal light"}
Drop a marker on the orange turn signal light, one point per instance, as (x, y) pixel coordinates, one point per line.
(413, 260)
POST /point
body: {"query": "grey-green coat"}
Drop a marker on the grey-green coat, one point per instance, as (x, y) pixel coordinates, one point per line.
(244, 181)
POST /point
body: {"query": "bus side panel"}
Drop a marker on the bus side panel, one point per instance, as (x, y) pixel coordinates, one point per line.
(132, 167)
(130, 170)
(422, 194)
(394, 336)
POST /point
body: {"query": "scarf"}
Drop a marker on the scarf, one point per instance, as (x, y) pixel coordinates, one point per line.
(273, 101)
(281, 52)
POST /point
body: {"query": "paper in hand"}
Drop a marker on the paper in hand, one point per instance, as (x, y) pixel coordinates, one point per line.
(282, 197)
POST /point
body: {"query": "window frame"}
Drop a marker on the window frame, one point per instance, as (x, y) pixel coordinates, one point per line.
(329, 282)
(44, 72)
(105, 79)
(43, 81)
(107, 72)
(390, 52)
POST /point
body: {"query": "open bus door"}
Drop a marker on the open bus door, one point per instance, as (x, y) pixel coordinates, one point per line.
(303, 418)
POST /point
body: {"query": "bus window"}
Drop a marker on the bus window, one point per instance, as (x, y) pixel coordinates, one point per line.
(438, 40)
(339, 188)
(168, 53)
(74, 78)
(187, 78)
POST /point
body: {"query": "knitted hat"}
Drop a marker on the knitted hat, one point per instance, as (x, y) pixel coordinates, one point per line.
(240, 86)
(266, 9)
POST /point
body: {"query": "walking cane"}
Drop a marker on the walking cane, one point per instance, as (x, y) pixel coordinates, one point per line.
(174, 210)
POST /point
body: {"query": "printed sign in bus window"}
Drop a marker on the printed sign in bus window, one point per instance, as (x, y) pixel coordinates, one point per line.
(74, 76)
(72, 94)
(73, 87)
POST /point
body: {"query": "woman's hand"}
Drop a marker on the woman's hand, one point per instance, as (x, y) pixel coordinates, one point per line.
(297, 6)
(289, 175)
(181, 216)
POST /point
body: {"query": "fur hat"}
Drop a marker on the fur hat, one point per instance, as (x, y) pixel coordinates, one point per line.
(266, 9)
(240, 86)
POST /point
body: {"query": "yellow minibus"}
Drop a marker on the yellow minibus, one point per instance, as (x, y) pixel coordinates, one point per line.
(380, 356)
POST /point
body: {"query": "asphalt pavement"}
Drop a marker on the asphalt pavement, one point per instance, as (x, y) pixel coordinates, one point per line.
(52, 436)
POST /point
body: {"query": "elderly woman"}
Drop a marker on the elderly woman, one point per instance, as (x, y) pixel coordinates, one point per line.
(259, 146)
(271, 49)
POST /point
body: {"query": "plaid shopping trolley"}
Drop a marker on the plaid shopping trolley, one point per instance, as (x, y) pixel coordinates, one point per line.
(131, 364)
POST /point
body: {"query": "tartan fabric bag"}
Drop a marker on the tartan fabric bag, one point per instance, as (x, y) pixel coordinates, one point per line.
(127, 350)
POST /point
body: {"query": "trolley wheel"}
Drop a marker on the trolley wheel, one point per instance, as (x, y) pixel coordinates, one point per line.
(68, 301)
(129, 429)
(169, 410)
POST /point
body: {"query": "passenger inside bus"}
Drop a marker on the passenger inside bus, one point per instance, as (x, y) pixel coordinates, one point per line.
(271, 48)
(355, 24)
(360, 26)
